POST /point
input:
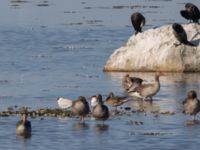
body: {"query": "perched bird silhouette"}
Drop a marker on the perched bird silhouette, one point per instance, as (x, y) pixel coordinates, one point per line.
(23, 127)
(100, 111)
(180, 34)
(130, 83)
(191, 12)
(116, 101)
(146, 90)
(80, 107)
(138, 21)
(191, 104)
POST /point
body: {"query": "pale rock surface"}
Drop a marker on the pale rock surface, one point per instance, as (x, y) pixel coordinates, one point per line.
(155, 50)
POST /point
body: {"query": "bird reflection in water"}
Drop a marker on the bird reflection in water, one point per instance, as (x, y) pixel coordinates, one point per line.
(145, 106)
(100, 128)
(80, 125)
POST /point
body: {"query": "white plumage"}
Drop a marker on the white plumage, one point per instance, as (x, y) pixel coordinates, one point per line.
(135, 94)
(64, 103)
(94, 101)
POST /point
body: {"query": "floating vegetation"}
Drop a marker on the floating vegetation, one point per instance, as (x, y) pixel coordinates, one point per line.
(134, 6)
(131, 122)
(42, 5)
(153, 133)
(192, 122)
(43, 112)
(167, 113)
(19, 1)
(69, 12)
(71, 24)
(93, 21)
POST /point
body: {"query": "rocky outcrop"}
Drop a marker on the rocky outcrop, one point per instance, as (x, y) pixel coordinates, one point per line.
(157, 50)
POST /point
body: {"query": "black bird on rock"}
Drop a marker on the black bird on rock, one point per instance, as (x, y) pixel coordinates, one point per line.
(138, 21)
(191, 12)
(180, 34)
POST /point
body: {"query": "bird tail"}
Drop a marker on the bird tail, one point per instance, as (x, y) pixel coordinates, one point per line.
(190, 44)
(64, 103)
(135, 94)
(125, 100)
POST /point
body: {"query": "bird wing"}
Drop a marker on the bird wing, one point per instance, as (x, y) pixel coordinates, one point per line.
(64, 103)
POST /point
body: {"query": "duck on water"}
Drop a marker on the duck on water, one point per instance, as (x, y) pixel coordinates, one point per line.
(23, 127)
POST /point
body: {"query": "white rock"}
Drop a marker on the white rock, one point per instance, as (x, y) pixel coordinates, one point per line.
(154, 50)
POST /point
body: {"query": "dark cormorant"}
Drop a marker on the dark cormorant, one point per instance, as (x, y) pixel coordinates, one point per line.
(191, 12)
(138, 21)
(180, 34)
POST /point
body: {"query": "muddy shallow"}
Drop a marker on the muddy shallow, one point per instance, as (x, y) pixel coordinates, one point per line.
(51, 49)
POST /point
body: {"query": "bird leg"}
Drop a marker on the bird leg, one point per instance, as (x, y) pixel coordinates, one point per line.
(175, 44)
(195, 35)
(194, 118)
(82, 119)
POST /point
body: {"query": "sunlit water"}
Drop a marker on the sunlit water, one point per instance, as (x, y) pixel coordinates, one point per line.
(57, 48)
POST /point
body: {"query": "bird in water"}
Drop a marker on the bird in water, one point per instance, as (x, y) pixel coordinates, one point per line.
(191, 12)
(180, 34)
(147, 90)
(115, 101)
(130, 83)
(138, 21)
(80, 107)
(23, 127)
(100, 111)
(191, 104)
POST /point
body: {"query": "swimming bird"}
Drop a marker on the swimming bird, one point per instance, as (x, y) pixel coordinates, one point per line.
(191, 104)
(147, 90)
(79, 107)
(23, 127)
(100, 111)
(115, 101)
(138, 21)
(131, 82)
(180, 34)
(191, 12)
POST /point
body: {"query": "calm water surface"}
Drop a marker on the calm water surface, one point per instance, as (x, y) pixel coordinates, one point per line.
(58, 48)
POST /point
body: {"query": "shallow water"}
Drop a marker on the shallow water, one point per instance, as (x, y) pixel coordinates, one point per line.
(51, 49)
